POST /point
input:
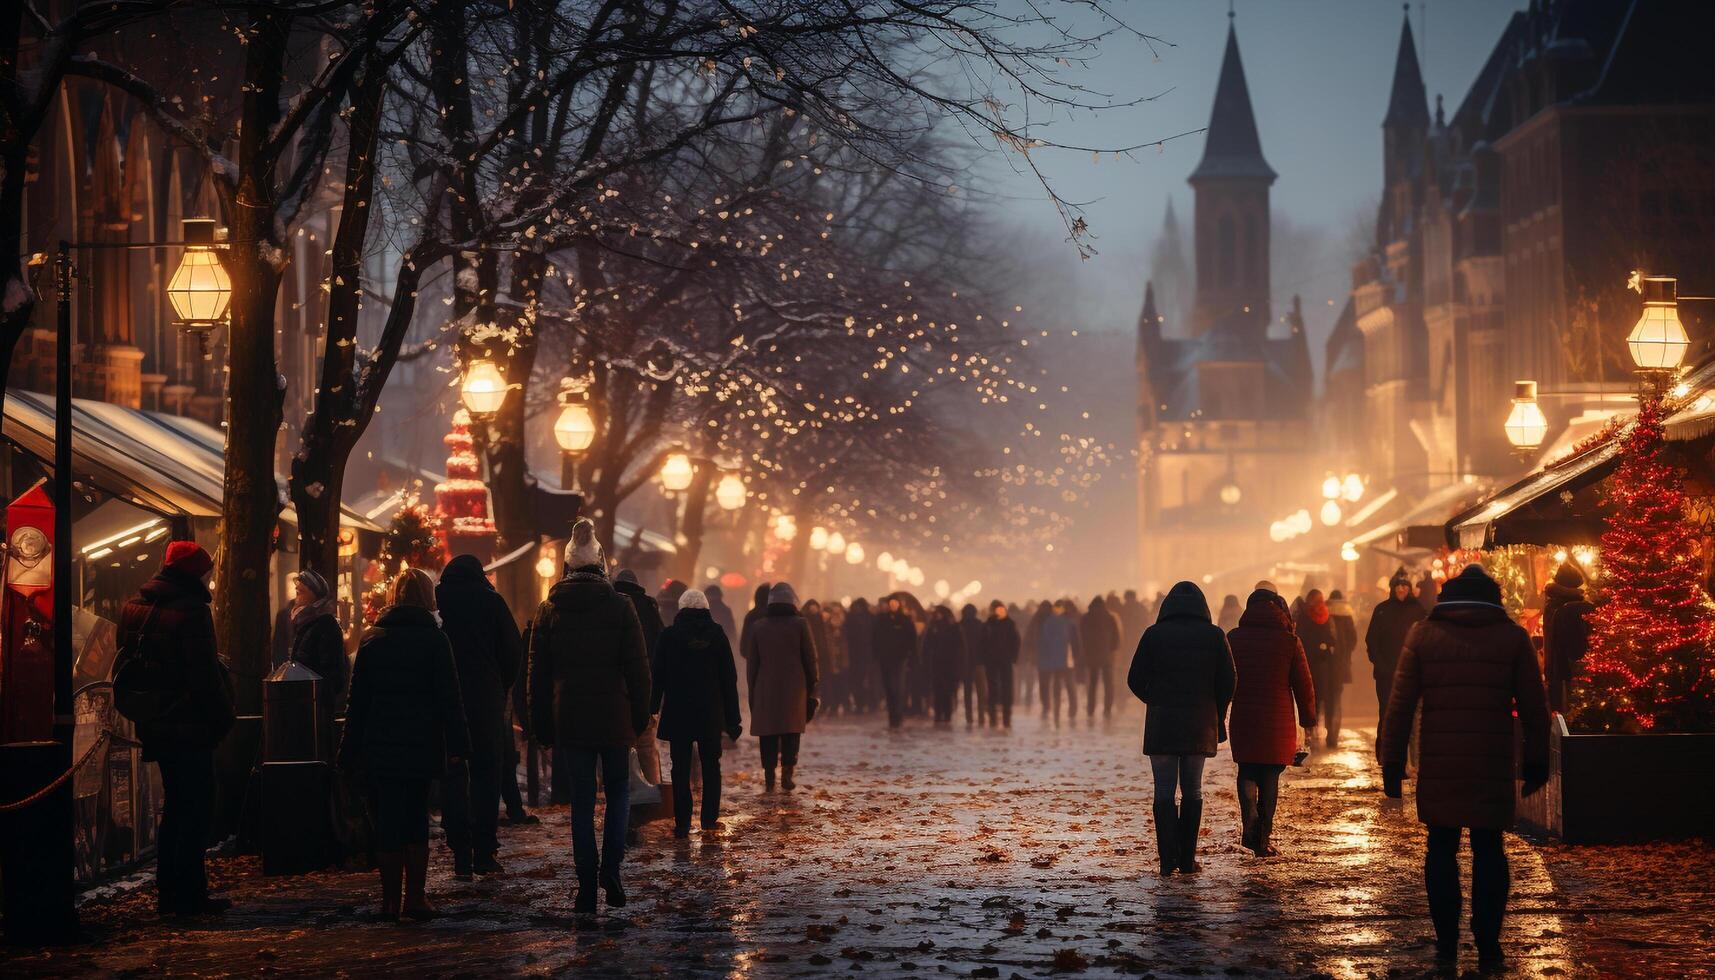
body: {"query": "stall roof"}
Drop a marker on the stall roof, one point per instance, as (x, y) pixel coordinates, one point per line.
(1476, 527)
(167, 464)
(1431, 510)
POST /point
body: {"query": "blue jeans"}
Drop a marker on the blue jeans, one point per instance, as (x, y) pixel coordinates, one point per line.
(1186, 770)
(615, 764)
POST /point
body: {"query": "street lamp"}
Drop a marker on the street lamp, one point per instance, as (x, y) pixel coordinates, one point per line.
(854, 554)
(1352, 488)
(836, 544)
(729, 493)
(1331, 487)
(575, 430)
(676, 472)
(200, 290)
(1231, 494)
(483, 388)
(1658, 342)
(785, 527)
(1330, 512)
(1526, 426)
(818, 538)
(884, 562)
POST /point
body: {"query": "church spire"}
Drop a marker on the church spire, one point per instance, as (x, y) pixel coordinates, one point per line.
(1232, 148)
(1408, 106)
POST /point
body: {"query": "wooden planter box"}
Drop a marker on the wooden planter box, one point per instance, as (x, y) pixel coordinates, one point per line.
(1611, 789)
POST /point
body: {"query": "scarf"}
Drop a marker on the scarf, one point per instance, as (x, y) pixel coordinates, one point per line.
(1318, 613)
(305, 615)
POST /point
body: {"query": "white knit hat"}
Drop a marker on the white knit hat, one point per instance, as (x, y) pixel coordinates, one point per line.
(693, 599)
(583, 549)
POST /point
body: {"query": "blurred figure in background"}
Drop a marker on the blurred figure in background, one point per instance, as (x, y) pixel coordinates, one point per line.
(780, 656)
(999, 653)
(944, 653)
(1099, 636)
(696, 699)
(972, 679)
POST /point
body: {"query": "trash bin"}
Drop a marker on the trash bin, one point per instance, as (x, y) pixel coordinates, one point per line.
(291, 716)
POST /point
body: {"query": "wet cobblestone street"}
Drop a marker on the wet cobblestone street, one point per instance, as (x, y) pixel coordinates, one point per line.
(951, 852)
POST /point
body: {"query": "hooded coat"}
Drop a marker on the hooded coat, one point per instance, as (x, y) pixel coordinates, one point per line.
(1183, 672)
(971, 627)
(944, 648)
(1565, 632)
(1000, 643)
(1345, 623)
(1390, 621)
(696, 681)
(1273, 678)
(1470, 666)
(648, 609)
(589, 674)
(1319, 643)
(860, 637)
(405, 717)
(1099, 634)
(182, 635)
(780, 665)
(722, 614)
(893, 638)
(487, 647)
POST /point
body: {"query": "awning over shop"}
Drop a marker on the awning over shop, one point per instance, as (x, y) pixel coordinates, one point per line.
(1524, 513)
(1421, 527)
(165, 464)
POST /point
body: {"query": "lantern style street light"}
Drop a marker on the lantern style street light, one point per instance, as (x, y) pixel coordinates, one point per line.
(729, 493)
(1231, 494)
(1352, 488)
(676, 472)
(785, 527)
(200, 290)
(1658, 342)
(884, 562)
(1526, 426)
(1331, 487)
(575, 429)
(854, 554)
(1330, 512)
(818, 538)
(483, 388)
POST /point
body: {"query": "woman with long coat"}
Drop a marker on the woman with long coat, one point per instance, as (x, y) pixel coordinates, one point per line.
(1183, 673)
(1344, 619)
(780, 663)
(404, 725)
(1273, 678)
(944, 649)
(1315, 627)
(696, 697)
(318, 643)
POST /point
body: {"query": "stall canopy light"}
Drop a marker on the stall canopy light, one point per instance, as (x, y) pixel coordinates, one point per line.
(125, 538)
(1659, 341)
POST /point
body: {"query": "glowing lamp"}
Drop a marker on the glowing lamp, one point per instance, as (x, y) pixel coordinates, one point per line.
(818, 538)
(1331, 487)
(786, 528)
(1526, 425)
(1352, 488)
(347, 542)
(1231, 494)
(574, 430)
(483, 388)
(1658, 342)
(200, 289)
(545, 567)
(1349, 551)
(729, 493)
(1330, 513)
(973, 587)
(884, 562)
(854, 554)
(943, 588)
(836, 544)
(1278, 531)
(915, 577)
(676, 472)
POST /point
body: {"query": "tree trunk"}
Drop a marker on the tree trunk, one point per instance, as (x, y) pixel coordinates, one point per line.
(689, 540)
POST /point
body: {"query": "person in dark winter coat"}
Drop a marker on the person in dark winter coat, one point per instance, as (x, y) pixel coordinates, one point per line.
(1472, 668)
(650, 611)
(1273, 678)
(860, 655)
(1029, 676)
(589, 697)
(1345, 623)
(998, 651)
(1315, 627)
(972, 680)
(1134, 618)
(318, 643)
(696, 697)
(1427, 591)
(488, 651)
(666, 601)
(404, 726)
(780, 658)
(1100, 636)
(721, 613)
(1228, 618)
(1565, 632)
(1390, 621)
(169, 622)
(1058, 653)
(758, 609)
(1183, 673)
(817, 620)
(894, 645)
(944, 649)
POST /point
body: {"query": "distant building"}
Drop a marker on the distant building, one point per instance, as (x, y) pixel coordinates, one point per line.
(1223, 401)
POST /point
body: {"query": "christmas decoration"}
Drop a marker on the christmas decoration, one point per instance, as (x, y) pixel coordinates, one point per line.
(462, 501)
(1649, 666)
(411, 541)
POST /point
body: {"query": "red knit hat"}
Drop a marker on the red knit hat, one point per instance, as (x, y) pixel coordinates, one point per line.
(188, 558)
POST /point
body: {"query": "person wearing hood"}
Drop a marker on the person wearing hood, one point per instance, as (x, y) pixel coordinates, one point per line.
(860, 655)
(696, 700)
(488, 650)
(894, 645)
(1057, 653)
(1273, 678)
(589, 696)
(758, 609)
(404, 726)
(666, 601)
(1183, 673)
(999, 654)
(1345, 623)
(721, 613)
(170, 616)
(972, 679)
(1231, 612)
(1315, 626)
(780, 659)
(649, 615)
(1565, 632)
(1427, 591)
(1390, 621)
(1099, 634)
(944, 649)
(1472, 669)
(318, 643)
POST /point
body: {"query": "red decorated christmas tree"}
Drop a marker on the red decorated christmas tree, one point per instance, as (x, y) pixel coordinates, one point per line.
(1649, 665)
(462, 501)
(411, 541)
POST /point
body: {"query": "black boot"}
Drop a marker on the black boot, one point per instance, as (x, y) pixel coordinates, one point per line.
(1190, 821)
(1247, 813)
(586, 900)
(1166, 836)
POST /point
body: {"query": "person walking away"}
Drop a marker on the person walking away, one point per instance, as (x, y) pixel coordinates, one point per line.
(168, 624)
(780, 657)
(1099, 635)
(999, 653)
(894, 645)
(1273, 678)
(721, 613)
(1027, 681)
(666, 601)
(1565, 632)
(318, 643)
(817, 619)
(1056, 653)
(589, 695)
(944, 650)
(973, 683)
(404, 726)
(758, 608)
(1390, 621)
(650, 611)
(860, 655)
(1471, 667)
(696, 701)
(1345, 624)
(1134, 616)
(1228, 618)
(1315, 627)
(836, 678)
(488, 651)
(1427, 591)
(1183, 673)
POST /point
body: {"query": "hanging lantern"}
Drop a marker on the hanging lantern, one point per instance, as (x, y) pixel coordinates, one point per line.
(818, 538)
(200, 290)
(1352, 488)
(1331, 487)
(836, 544)
(574, 430)
(1231, 494)
(729, 493)
(1658, 342)
(1526, 426)
(676, 472)
(943, 588)
(1330, 512)
(483, 388)
(854, 554)
(884, 562)
(785, 528)
(915, 577)
(1349, 551)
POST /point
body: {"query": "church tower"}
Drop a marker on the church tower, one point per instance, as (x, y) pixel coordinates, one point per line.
(1231, 185)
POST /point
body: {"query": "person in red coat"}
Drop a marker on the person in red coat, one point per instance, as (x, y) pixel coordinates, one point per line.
(1273, 678)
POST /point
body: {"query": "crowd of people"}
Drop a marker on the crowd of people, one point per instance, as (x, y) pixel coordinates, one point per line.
(603, 671)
